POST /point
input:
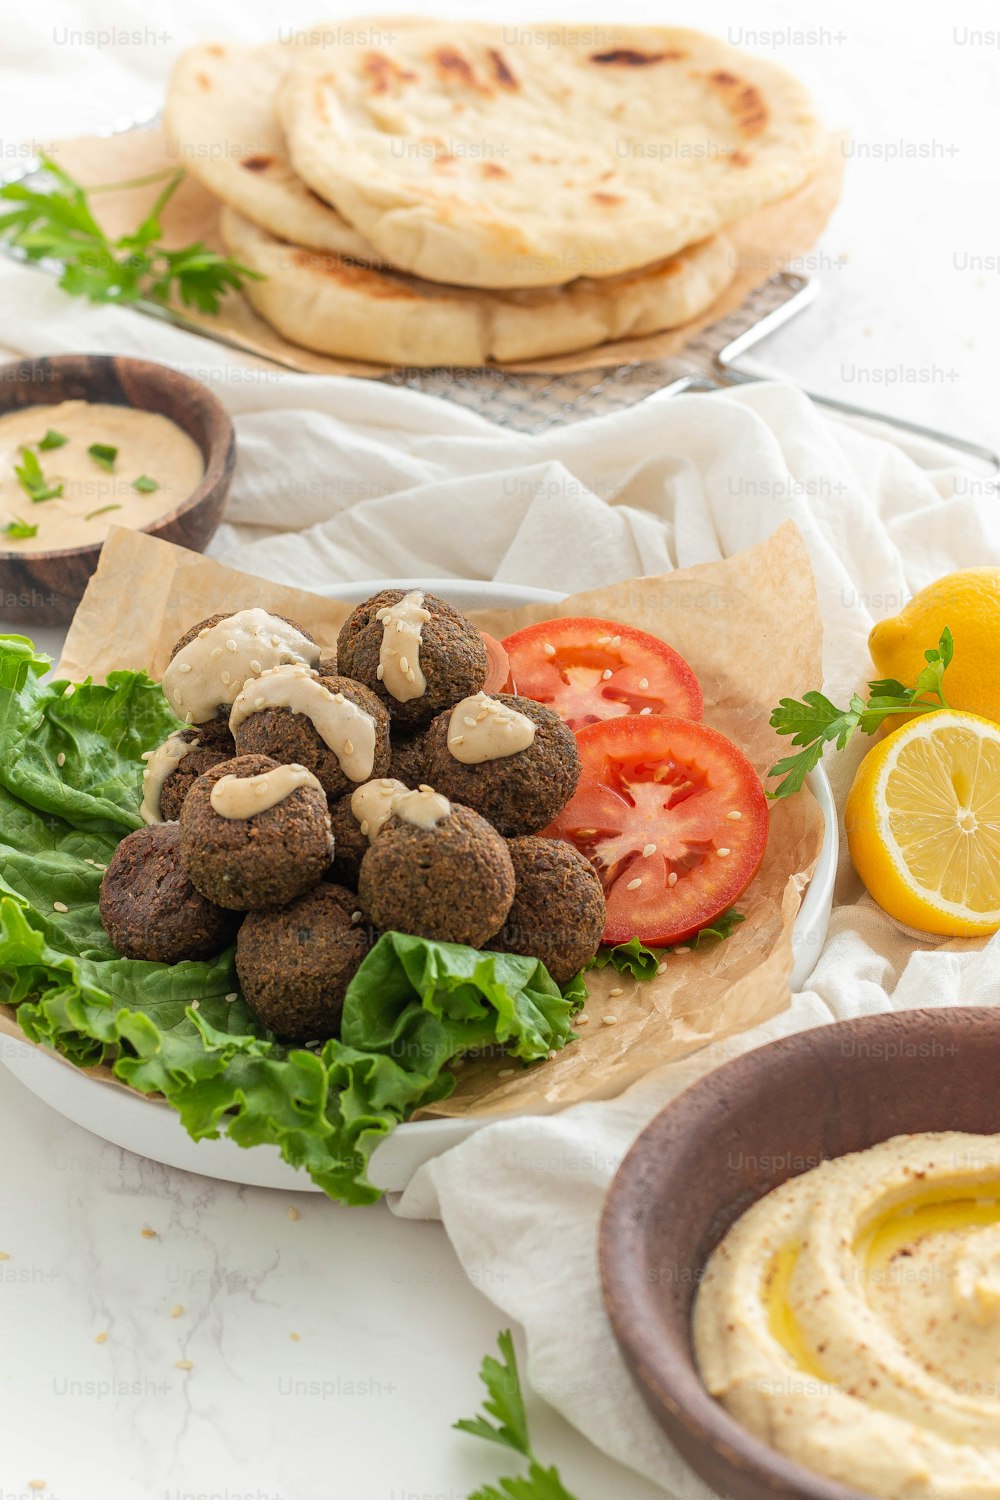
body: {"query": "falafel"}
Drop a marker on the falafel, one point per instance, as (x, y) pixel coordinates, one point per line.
(202, 691)
(296, 962)
(408, 757)
(293, 738)
(196, 762)
(520, 793)
(150, 908)
(264, 860)
(449, 653)
(350, 845)
(452, 882)
(559, 912)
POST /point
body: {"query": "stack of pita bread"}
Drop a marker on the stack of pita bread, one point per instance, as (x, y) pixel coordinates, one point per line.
(450, 193)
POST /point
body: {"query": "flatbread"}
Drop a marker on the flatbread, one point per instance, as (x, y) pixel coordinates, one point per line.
(334, 307)
(221, 127)
(501, 157)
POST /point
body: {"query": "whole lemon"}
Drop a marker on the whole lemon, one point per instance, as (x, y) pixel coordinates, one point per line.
(969, 604)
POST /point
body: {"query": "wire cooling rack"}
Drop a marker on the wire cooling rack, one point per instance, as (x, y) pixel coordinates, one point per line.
(535, 403)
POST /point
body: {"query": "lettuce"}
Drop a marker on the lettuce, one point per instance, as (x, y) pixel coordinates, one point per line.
(70, 786)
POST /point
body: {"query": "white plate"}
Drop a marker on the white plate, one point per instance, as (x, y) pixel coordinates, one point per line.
(152, 1128)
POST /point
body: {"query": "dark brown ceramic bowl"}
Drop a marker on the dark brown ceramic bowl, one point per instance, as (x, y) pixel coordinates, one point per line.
(727, 1141)
(44, 588)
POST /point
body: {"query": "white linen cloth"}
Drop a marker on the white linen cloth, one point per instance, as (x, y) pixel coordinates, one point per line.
(340, 479)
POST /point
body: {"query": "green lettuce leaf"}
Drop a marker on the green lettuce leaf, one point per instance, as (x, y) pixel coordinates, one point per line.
(184, 1031)
(643, 963)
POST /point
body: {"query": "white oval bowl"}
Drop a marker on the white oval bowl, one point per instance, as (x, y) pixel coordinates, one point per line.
(151, 1128)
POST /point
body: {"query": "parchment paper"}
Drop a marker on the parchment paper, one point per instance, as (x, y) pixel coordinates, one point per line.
(763, 243)
(751, 630)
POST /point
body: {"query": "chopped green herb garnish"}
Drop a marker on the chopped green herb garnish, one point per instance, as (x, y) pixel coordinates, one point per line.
(104, 455)
(57, 223)
(815, 721)
(52, 439)
(509, 1427)
(33, 481)
(19, 530)
(101, 510)
(145, 485)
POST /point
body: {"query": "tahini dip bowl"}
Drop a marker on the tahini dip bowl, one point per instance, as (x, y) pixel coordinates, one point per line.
(44, 587)
(731, 1138)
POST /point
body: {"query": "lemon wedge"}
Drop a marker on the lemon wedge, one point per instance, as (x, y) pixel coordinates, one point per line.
(923, 824)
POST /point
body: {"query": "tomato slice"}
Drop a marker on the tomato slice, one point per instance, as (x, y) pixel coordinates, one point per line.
(587, 670)
(499, 669)
(674, 819)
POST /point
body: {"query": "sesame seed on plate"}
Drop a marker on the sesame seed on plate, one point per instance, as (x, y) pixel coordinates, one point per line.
(357, 916)
(505, 1072)
(294, 1214)
(233, 995)
(549, 649)
(4, 1255)
(644, 682)
(183, 1364)
(616, 640)
(230, 645)
(610, 1020)
(723, 852)
(184, 667)
(348, 747)
(647, 850)
(734, 813)
(177, 1311)
(259, 702)
(147, 1233)
(294, 1337)
(607, 673)
(37, 1484)
(661, 968)
(380, 672)
(255, 666)
(634, 885)
(100, 1338)
(672, 878)
(615, 992)
(60, 760)
(582, 1021)
(682, 950)
(216, 654)
(602, 640)
(60, 906)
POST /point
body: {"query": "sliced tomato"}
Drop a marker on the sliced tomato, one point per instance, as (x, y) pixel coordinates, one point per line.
(499, 670)
(588, 670)
(674, 819)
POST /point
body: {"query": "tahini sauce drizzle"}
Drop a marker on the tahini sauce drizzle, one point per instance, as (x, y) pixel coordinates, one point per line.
(209, 672)
(240, 797)
(424, 808)
(482, 728)
(160, 763)
(342, 726)
(399, 666)
(371, 804)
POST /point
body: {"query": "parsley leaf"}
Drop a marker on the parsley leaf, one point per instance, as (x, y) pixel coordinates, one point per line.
(145, 485)
(100, 511)
(815, 722)
(56, 223)
(104, 455)
(505, 1403)
(19, 530)
(33, 481)
(52, 439)
(643, 963)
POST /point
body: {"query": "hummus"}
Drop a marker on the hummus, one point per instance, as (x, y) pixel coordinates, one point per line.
(148, 447)
(851, 1319)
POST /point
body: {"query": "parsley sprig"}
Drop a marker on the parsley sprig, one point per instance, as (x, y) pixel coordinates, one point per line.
(32, 481)
(815, 722)
(509, 1427)
(57, 223)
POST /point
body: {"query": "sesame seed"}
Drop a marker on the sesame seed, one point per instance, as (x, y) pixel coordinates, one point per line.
(233, 995)
(185, 667)
(357, 916)
(196, 1005)
(255, 666)
(216, 653)
(294, 1337)
(100, 1338)
(672, 878)
(682, 950)
(549, 649)
(90, 862)
(260, 703)
(551, 1055)
(610, 1020)
(294, 1214)
(147, 1233)
(647, 850)
(348, 747)
(616, 640)
(644, 711)
(661, 773)
(230, 645)
(582, 1021)
(615, 992)
(177, 1311)
(734, 813)
(380, 672)
(634, 885)
(365, 827)
(226, 679)
(458, 739)
(644, 682)
(585, 833)
(722, 853)
(60, 906)
(4, 1255)
(404, 665)
(60, 760)
(661, 968)
(276, 640)
(602, 640)
(505, 1072)
(202, 633)
(607, 673)
(411, 676)
(37, 1484)
(69, 691)
(183, 1364)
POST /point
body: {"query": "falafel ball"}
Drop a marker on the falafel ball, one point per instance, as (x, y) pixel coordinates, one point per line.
(559, 911)
(296, 962)
(408, 757)
(452, 656)
(294, 739)
(149, 907)
(195, 763)
(519, 793)
(265, 860)
(327, 665)
(214, 732)
(350, 845)
(453, 882)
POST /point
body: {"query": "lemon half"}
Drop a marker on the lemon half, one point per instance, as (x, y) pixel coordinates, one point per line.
(923, 824)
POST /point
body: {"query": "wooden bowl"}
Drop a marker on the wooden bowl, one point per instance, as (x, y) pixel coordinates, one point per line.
(44, 588)
(731, 1138)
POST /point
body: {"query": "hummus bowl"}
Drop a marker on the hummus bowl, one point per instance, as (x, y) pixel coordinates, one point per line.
(43, 587)
(729, 1140)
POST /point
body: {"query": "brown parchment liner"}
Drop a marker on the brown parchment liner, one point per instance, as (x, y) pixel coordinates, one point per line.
(751, 630)
(762, 244)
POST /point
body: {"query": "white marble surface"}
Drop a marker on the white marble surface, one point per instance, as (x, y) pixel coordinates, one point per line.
(390, 1332)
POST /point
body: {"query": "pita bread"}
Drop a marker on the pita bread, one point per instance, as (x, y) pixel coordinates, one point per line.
(332, 306)
(503, 157)
(221, 126)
